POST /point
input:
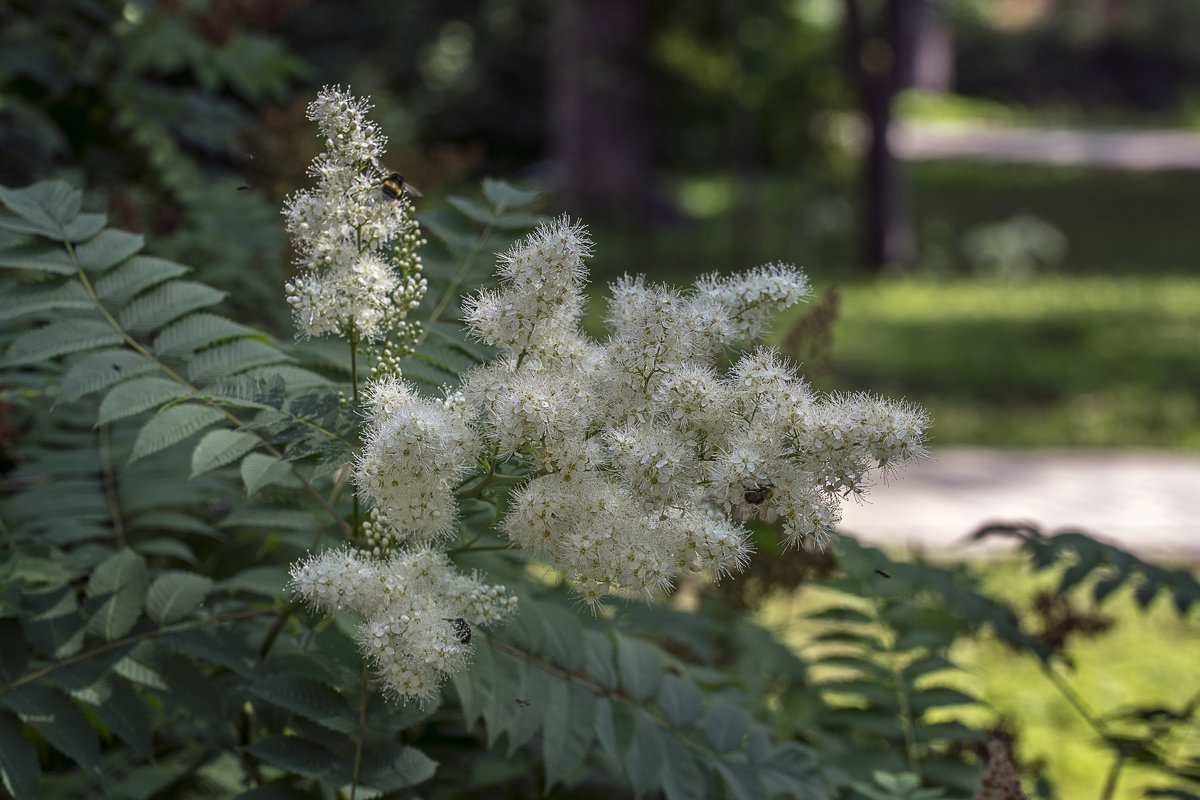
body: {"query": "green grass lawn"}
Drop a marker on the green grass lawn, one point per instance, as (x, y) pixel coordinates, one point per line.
(1057, 361)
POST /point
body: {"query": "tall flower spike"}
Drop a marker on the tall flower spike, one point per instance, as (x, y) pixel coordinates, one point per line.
(359, 271)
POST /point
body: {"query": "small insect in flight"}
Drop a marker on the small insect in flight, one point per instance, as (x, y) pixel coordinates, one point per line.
(243, 187)
(522, 703)
(462, 631)
(883, 572)
(393, 185)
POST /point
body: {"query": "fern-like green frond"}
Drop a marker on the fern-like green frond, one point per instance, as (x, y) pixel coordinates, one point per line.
(60, 338)
(153, 309)
(173, 425)
(195, 331)
(107, 248)
(27, 301)
(138, 395)
(136, 275)
(232, 358)
(101, 369)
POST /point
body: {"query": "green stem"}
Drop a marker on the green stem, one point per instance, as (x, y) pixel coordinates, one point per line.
(1110, 783)
(468, 548)
(362, 731)
(906, 712)
(612, 694)
(356, 531)
(452, 289)
(1097, 725)
(110, 486)
(128, 640)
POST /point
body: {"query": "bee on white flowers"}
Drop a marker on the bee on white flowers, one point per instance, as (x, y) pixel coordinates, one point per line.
(755, 500)
(393, 185)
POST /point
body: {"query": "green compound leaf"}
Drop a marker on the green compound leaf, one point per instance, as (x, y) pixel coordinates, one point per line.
(138, 395)
(118, 585)
(100, 370)
(645, 758)
(51, 714)
(476, 686)
(568, 729)
(14, 657)
(173, 677)
(685, 777)
(607, 719)
(395, 768)
(45, 208)
(174, 595)
(681, 700)
(219, 448)
(641, 668)
(119, 707)
(309, 698)
(294, 754)
(230, 358)
(195, 331)
(504, 195)
(107, 249)
(53, 622)
(601, 652)
(261, 469)
(60, 338)
(166, 303)
(476, 212)
(136, 275)
(741, 781)
(725, 726)
(24, 301)
(173, 425)
(18, 759)
(37, 259)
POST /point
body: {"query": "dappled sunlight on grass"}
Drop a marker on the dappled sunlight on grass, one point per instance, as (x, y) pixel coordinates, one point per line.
(1147, 658)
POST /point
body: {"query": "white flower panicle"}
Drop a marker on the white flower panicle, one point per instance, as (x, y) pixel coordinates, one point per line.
(413, 605)
(649, 456)
(360, 274)
(645, 458)
(541, 294)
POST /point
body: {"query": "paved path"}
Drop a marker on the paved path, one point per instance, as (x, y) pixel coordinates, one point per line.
(1146, 501)
(1121, 148)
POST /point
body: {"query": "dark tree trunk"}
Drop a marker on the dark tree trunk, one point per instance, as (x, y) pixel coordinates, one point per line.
(599, 132)
(881, 65)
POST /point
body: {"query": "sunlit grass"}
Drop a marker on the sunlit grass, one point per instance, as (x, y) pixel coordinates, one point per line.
(1056, 361)
(1147, 658)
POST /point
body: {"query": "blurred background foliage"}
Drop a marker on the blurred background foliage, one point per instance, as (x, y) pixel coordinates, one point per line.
(1037, 305)
(692, 136)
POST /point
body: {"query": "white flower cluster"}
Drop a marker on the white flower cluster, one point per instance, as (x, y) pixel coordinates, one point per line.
(414, 451)
(647, 457)
(356, 246)
(418, 611)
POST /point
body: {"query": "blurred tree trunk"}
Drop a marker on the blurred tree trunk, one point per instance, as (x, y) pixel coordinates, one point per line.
(881, 58)
(599, 128)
